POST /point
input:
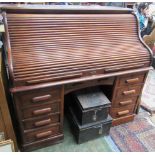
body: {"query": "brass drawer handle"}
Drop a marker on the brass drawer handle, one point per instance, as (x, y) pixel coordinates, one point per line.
(42, 111)
(43, 122)
(43, 134)
(123, 112)
(125, 102)
(130, 81)
(129, 92)
(41, 98)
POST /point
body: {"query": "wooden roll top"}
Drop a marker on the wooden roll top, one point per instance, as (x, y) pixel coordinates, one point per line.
(59, 46)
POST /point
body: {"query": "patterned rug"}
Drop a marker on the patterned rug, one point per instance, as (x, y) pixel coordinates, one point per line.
(148, 94)
(135, 136)
(153, 118)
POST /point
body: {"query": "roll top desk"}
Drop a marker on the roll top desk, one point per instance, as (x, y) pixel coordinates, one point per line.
(53, 51)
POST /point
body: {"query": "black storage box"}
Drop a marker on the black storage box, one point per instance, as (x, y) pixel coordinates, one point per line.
(90, 105)
(89, 131)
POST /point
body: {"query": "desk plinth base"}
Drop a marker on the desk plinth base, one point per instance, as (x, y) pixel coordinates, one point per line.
(42, 143)
(122, 120)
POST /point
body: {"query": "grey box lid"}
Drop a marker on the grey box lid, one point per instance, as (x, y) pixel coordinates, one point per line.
(91, 97)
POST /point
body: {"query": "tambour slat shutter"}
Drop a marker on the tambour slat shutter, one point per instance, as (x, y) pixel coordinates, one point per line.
(55, 47)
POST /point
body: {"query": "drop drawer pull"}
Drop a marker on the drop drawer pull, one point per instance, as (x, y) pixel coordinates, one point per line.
(125, 102)
(123, 112)
(129, 92)
(43, 122)
(43, 134)
(130, 81)
(41, 98)
(42, 111)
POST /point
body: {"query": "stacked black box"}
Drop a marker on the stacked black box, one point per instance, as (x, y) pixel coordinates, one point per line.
(88, 114)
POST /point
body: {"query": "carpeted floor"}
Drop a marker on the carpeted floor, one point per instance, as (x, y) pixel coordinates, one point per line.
(148, 94)
(69, 144)
(136, 136)
(153, 118)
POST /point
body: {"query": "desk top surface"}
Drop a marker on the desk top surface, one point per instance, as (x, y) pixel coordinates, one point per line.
(63, 8)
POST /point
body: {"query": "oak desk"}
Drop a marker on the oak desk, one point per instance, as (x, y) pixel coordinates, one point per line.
(52, 51)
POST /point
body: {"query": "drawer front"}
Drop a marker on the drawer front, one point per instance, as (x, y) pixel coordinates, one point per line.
(42, 134)
(124, 102)
(40, 110)
(81, 85)
(131, 79)
(41, 121)
(128, 91)
(122, 111)
(39, 96)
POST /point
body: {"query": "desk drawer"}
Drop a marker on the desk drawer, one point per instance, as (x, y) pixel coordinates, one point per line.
(122, 111)
(41, 110)
(39, 96)
(124, 102)
(41, 121)
(128, 91)
(131, 79)
(80, 85)
(41, 134)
